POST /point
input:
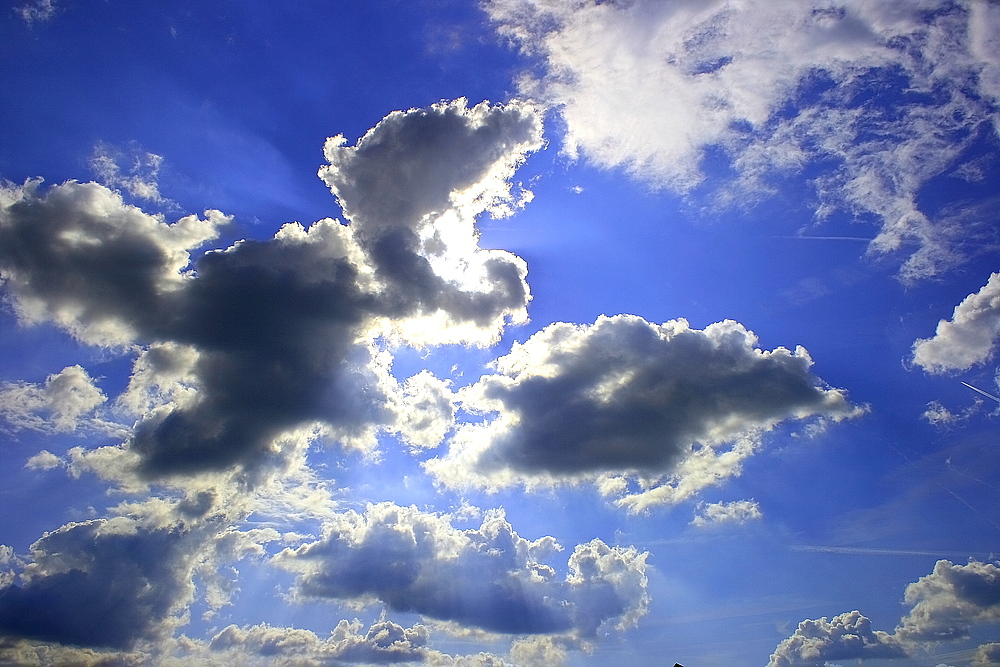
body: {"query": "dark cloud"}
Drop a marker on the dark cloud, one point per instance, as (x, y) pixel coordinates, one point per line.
(846, 637)
(626, 395)
(489, 578)
(102, 583)
(277, 334)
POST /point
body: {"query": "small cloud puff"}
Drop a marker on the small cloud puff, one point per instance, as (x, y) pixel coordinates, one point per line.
(66, 402)
(846, 637)
(738, 511)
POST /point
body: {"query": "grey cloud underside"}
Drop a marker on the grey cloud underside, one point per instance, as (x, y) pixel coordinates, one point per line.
(625, 394)
(278, 325)
(490, 578)
(101, 584)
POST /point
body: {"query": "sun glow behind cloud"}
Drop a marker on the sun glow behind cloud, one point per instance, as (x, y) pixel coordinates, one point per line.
(345, 441)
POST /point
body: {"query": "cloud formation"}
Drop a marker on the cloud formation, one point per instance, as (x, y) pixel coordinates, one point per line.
(946, 605)
(655, 87)
(738, 511)
(846, 637)
(968, 338)
(627, 396)
(489, 578)
(66, 402)
(267, 336)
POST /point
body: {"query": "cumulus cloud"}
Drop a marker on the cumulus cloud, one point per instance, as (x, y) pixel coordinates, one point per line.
(65, 402)
(968, 338)
(654, 86)
(738, 511)
(490, 577)
(384, 643)
(987, 655)
(268, 336)
(627, 396)
(102, 583)
(846, 637)
(950, 600)
(946, 605)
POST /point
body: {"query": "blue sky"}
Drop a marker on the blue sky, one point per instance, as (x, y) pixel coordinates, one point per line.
(608, 333)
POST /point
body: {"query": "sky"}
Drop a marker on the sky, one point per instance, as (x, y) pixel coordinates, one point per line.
(500, 333)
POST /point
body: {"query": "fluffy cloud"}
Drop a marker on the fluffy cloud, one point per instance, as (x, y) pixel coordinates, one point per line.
(950, 600)
(968, 338)
(102, 583)
(385, 642)
(268, 336)
(847, 637)
(653, 86)
(490, 578)
(738, 511)
(627, 396)
(987, 655)
(65, 402)
(946, 605)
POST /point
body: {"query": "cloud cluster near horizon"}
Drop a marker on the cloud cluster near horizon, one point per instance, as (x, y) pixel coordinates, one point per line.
(945, 606)
(776, 88)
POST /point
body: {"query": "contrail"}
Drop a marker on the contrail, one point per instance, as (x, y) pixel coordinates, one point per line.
(865, 551)
(982, 392)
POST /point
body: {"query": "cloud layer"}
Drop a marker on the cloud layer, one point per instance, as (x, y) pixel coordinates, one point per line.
(777, 88)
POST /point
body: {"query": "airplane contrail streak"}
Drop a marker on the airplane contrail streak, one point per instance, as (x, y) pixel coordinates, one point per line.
(982, 392)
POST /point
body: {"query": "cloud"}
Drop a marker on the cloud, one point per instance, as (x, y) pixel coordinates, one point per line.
(738, 511)
(846, 637)
(64, 403)
(140, 179)
(987, 655)
(102, 583)
(654, 87)
(384, 643)
(627, 396)
(946, 605)
(37, 10)
(968, 338)
(489, 578)
(950, 600)
(269, 336)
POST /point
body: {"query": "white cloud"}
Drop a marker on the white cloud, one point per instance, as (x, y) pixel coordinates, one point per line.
(625, 396)
(946, 605)
(66, 402)
(651, 86)
(36, 10)
(490, 578)
(968, 338)
(738, 511)
(846, 637)
(140, 179)
(987, 655)
(950, 600)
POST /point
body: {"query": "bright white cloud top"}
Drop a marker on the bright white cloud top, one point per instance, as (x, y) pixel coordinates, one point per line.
(520, 382)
